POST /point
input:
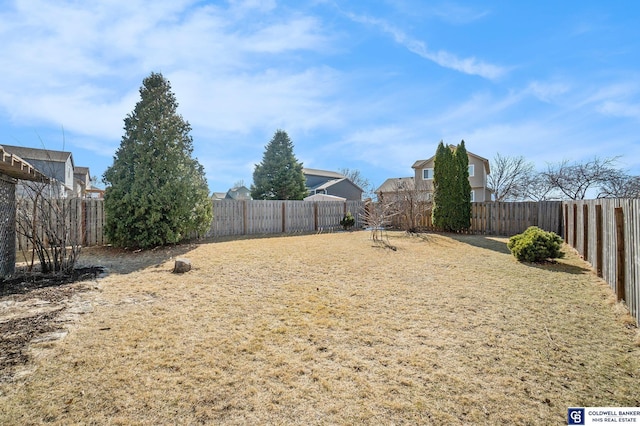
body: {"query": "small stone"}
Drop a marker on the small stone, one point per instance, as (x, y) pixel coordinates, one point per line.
(182, 266)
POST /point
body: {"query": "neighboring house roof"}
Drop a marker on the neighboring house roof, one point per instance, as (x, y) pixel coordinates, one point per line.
(323, 173)
(395, 184)
(324, 197)
(39, 154)
(79, 170)
(12, 165)
(238, 193)
(327, 184)
(218, 195)
(324, 186)
(421, 163)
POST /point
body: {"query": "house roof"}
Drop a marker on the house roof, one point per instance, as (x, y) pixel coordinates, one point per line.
(39, 154)
(323, 173)
(323, 197)
(395, 184)
(79, 170)
(14, 166)
(327, 184)
(332, 182)
(239, 193)
(420, 163)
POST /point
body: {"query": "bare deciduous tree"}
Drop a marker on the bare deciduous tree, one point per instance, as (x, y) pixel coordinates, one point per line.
(621, 186)
(537, 187)
(510, 177)
(575, 180)
(411, 202)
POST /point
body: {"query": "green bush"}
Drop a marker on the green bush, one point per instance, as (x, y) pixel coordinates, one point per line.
(535, 245)
(348, 221)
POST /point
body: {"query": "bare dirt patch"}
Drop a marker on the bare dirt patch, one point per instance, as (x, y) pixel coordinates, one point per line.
(32, 310)
(327, 329)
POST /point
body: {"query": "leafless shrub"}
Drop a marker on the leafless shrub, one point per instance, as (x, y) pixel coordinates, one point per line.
(44, 220)
(377, 216)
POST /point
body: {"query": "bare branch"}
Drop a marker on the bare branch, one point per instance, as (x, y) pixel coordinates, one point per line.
(509, 177)
(576, 179)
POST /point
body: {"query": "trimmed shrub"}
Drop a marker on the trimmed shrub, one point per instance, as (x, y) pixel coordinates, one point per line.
(536, 245)
(348, 221)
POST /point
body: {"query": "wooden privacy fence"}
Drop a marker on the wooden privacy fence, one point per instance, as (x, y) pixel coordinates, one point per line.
(498, 218)
(251, 217)
(82, 218)
(606, 232)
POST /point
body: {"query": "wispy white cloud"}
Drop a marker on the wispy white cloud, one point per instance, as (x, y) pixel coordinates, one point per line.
(80, 64)
(620, 109)
(457, 14)
(547, 91)
(471, 65)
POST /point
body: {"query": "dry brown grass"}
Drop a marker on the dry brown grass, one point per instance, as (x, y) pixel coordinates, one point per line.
(328, 329)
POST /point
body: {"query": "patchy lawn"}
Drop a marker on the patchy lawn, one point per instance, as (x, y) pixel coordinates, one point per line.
(330, 329)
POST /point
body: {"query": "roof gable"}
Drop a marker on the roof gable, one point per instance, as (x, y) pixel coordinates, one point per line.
(422, 163)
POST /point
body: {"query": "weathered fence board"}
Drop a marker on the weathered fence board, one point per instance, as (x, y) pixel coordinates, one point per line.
(606, 233)
(498, 218)
(255, 217)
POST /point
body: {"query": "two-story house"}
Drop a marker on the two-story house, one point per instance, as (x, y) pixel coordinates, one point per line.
(422, 180)
(82, 183)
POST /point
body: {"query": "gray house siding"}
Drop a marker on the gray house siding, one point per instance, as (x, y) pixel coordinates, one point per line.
(345, 189)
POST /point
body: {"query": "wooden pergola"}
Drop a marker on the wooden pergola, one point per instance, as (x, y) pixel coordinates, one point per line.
(12, 169)
(13, 166)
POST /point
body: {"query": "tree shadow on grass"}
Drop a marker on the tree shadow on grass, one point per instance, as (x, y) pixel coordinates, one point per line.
(497, 244)
(559, 266)
(125, 261)
(482, 241)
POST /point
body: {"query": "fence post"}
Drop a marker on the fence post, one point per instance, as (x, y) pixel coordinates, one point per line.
(575, 225)
(620, 260)
(244, 217)
(284, 217)
(566, 223)
(315, 216)
(585, 231)
(599, 242)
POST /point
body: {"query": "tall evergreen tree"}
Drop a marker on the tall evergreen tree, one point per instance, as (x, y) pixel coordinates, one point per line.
(463, 197)
(443, 184)
(156, 192)
(279, 176)
(452, 190)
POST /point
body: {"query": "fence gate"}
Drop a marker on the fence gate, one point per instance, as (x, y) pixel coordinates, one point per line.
(7, 225)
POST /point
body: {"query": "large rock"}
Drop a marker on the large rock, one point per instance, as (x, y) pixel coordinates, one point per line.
(182, 266)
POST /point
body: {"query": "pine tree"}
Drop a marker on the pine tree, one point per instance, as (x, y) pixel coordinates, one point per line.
(279, 176)
(156, 192)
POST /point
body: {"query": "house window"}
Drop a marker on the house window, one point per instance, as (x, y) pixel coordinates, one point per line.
(471, 170)
(427, 174)
(473, 198)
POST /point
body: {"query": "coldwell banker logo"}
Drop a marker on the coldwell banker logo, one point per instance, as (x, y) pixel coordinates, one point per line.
(575, 416)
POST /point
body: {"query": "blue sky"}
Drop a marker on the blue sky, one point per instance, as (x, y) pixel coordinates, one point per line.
(366, 85)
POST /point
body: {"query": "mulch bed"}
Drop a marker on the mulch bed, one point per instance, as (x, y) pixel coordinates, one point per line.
(18, 331)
